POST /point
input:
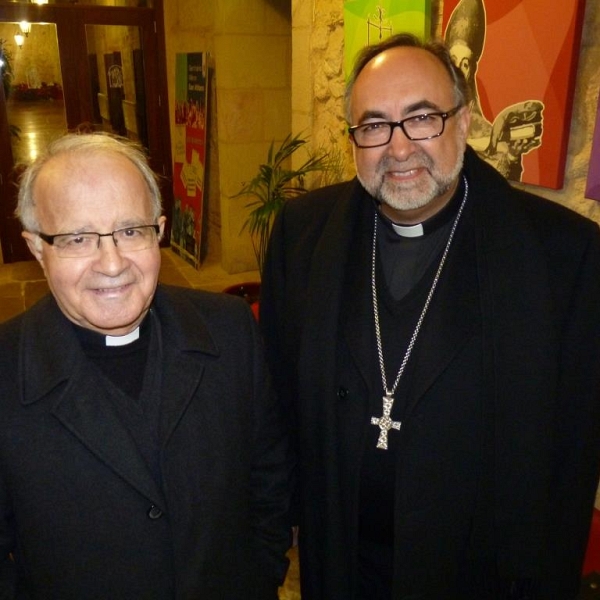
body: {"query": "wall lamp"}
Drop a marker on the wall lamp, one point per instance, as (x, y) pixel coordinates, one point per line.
(25, 28)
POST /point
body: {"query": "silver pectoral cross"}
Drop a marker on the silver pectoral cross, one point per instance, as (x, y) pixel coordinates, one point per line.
(385, 422)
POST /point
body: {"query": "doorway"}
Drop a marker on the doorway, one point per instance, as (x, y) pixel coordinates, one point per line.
(80, 68)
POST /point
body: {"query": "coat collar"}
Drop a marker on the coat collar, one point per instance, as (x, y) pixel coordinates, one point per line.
(52, 368)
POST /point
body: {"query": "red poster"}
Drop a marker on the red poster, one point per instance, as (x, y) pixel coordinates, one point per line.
(191, 93)
(520, 58)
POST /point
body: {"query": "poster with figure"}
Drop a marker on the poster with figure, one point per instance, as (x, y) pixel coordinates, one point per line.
(191, 104)
(368, 22)
(592, 189)
(520, 61)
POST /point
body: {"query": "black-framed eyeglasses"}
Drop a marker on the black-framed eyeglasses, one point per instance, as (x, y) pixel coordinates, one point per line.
(78, 245)
(420, 127)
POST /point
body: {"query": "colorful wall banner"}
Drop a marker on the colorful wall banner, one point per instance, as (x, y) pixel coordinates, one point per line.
(191, 109)
(592, 189)
(520, 59)
(371, 21)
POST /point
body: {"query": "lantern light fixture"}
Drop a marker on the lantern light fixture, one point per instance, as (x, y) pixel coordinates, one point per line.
(19, 39)
(25, 27)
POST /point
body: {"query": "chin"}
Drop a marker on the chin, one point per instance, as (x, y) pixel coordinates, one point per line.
(402, 200)
(114, 324)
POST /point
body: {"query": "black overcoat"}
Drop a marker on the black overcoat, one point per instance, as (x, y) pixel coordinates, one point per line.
(502, 504)
(79, 508)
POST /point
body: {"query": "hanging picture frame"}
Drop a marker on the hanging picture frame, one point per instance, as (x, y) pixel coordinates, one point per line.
(520, 59)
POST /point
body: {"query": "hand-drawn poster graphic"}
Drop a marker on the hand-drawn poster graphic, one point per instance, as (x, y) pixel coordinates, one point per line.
(371, 21)
(519, 58)
(191, 94)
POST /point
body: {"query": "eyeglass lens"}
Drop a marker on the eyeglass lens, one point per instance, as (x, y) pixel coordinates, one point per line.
(415, 128)
(84, 244)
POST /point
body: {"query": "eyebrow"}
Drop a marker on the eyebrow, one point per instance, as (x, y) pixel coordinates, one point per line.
(416, 106)
(422, 104)
(372, 114)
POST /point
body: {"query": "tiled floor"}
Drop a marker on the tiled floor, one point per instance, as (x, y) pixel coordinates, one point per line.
(23, 283)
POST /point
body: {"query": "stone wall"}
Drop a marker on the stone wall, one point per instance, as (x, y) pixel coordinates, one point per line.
(317, 104)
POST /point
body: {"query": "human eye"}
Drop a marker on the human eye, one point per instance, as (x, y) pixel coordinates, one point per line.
(375, 127)
(425, 119)
(131, 232)
(75, 241)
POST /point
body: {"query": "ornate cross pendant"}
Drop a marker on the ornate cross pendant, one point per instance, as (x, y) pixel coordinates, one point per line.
(385, 422)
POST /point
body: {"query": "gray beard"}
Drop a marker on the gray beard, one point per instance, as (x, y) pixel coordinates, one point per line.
(399, 198)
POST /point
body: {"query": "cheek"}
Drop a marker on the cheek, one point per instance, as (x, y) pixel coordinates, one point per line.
(147, 268)
(367, 161)
(65, 286)
(64, 275)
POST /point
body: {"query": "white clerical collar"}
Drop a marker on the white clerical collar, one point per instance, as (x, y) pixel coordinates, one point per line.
(408, 231)
(123, 340)
(445, 215)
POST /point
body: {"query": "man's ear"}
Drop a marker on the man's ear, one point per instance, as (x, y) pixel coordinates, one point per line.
(161, 222)
(464, 118)
(34, 243)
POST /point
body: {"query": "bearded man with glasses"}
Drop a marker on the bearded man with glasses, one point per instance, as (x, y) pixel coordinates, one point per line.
(142, 454)
(435, 337)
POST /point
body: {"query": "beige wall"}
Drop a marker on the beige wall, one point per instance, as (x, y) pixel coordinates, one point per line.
(249, 42)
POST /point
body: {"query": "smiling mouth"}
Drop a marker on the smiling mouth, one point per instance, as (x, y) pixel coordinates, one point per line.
(404, 174)
(110, 290)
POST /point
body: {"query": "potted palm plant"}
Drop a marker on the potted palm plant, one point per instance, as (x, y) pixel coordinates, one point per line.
(274, 184)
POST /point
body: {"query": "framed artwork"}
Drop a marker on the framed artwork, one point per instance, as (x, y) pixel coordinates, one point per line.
(592, 189)
(520, 60)
(370, 21)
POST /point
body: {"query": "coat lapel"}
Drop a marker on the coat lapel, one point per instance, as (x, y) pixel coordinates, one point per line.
(358, 319)
(184, 352)
(92, 418)
(80, 402)
(453, 316)
(326, 284)
(78, 395)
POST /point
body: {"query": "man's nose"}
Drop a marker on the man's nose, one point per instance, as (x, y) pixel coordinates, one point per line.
(109, 257)
(399, 145)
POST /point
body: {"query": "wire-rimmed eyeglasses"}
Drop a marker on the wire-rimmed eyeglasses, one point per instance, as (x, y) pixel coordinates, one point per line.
(78, 245)
(420, 127)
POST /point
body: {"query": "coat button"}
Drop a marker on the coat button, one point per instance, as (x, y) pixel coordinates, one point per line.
(342, 393)
(155, 512)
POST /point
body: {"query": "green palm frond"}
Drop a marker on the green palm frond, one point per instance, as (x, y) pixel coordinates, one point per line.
(274, 185)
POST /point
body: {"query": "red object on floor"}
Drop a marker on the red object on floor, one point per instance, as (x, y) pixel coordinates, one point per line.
(592, 554)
